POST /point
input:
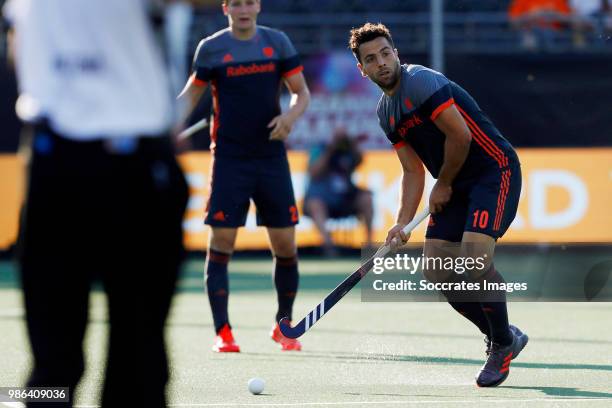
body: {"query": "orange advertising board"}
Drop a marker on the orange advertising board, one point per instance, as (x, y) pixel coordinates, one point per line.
(566, 197)
(12, 173)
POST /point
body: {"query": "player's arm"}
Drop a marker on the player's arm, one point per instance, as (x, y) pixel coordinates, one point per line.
(10, 47)
(300, 98)
(201, 75)
(411, 191)
(7, 16)
(190, 96)
(456, 149)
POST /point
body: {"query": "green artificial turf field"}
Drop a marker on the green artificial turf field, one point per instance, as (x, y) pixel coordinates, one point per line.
(359, 354)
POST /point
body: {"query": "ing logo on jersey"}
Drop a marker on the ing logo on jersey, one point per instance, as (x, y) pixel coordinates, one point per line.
(252, 69)
(268, 52)
(228, 57)
(408, 124)
(408, 104)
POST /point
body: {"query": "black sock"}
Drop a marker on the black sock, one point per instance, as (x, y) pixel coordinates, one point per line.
(494, 307)
(467, 305)
(473, 312)
(217, 286)
(286, 279)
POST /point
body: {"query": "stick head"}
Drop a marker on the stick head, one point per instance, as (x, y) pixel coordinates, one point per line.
(285, 327)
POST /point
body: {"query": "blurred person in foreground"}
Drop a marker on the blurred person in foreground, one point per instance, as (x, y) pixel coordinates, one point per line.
(432, 122)
(331, 192)
(105, 195)
(246, 65)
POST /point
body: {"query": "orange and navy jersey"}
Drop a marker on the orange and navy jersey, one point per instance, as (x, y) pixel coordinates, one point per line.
(407, 117)
(246, 78)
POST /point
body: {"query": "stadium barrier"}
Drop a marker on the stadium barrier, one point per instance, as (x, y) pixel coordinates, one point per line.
(565, 198)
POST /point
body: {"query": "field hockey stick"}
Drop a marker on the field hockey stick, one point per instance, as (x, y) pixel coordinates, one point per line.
(343, 288)
(191, 130)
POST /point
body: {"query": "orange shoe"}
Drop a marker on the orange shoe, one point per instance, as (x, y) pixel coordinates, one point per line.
(224, 342)
(286, 343)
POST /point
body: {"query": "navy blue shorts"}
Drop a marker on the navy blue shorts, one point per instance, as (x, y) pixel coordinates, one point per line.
(487, 205)
(235, 181)
(339, 205)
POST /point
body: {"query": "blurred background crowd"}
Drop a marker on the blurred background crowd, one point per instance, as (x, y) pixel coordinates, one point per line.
(540, 69)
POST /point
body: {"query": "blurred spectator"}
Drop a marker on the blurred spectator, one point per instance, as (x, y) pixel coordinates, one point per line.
(206, 4)
(539, 20)
(331, 192)
(584, 18)
(606, 15)
(587, 8)
(590, 15)
(339, 6)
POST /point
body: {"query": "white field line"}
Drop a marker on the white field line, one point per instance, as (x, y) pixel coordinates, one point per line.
(425, 402)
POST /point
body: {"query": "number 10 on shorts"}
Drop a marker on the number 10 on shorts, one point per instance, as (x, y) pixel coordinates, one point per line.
(481, 219)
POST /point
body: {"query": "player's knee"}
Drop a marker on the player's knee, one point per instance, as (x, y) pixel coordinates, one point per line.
(285, 250)
(480, 272)
(478, 250)
(282, 241)
(436, 273)
(481, 262)
(315, 206)
(435, 266)
(222, 243)
(364, 202)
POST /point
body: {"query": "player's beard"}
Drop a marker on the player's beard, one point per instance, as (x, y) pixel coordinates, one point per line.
(390, 82)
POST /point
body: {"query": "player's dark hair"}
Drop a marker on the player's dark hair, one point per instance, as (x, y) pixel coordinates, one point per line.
(365, 33)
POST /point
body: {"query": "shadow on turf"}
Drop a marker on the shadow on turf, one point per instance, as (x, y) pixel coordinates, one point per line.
(550, 391)
(359, 394)
(437, 360)
(564, 392)
(171, 323)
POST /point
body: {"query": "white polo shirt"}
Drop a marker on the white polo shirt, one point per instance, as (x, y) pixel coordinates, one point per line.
(91, 67)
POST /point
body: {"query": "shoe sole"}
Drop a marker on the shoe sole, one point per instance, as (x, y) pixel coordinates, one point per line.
(283, 348)
(291, 349)
(217, 350)
(494, 384)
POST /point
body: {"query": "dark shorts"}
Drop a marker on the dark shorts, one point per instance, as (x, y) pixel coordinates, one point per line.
(488, 205)
(339, 205)
(236, 181)
(109, 212)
